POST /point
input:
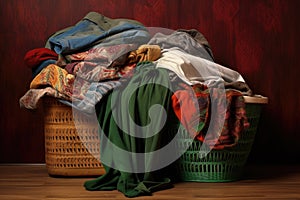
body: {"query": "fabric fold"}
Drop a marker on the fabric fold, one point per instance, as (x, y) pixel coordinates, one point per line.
(92, 30)
(132, 174)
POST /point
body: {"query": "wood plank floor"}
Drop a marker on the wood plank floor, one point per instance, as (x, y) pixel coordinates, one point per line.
(260, 182)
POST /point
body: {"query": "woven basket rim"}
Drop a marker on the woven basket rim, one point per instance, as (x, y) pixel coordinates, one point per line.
(258, 99)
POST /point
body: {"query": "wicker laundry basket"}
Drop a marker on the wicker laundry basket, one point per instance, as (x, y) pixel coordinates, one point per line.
(74, 150)
(70, 150)
(220, 165)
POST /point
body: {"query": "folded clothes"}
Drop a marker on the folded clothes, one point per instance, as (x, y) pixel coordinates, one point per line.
(95, 28)
(56, 77)
(41, 66)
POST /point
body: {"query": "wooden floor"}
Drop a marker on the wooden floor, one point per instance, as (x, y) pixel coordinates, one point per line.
(260, 182)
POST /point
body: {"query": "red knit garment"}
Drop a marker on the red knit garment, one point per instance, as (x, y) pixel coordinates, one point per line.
(34, 57)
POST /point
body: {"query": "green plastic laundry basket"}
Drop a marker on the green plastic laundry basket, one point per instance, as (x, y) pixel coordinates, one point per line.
(220, 165)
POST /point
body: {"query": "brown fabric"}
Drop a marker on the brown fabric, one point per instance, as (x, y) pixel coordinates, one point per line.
(145, 53)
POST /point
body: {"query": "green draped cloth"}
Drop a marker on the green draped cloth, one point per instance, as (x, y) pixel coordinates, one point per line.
(130, 125)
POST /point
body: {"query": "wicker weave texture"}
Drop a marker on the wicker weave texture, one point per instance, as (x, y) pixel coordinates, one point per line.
(72, 148)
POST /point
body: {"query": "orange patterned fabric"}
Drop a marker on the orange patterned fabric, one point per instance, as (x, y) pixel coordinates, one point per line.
(56, 77)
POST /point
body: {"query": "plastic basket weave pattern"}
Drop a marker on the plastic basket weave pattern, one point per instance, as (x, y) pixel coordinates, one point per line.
(70, 150)
(219, 165)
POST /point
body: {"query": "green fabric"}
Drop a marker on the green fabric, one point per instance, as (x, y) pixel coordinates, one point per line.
(143, 90)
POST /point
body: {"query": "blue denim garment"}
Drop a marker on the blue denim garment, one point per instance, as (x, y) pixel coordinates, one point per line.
(87, 33)
(132, 36)
(38, 69)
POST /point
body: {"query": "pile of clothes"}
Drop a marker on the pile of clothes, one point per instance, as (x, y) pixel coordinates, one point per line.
(121, 70)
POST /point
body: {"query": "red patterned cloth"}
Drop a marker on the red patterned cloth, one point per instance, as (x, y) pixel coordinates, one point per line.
(193, 107)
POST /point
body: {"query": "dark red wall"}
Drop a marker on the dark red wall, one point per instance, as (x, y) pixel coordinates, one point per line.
(259, 38)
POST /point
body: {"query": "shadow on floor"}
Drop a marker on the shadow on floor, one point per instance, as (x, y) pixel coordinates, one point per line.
(269, 171)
